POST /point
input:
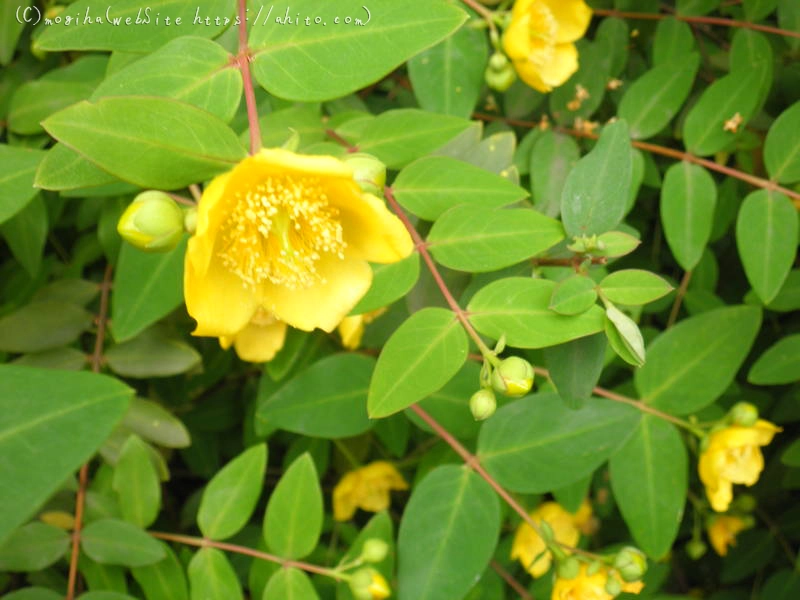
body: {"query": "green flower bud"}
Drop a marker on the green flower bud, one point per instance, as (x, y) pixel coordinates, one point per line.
(368, 171)
(500, 80)
(498, 61)
(374, 550)
(359, 584)
(190, 220)
(482, 404)
(744, 414)
(744, 503)
(153, 222)
(513, 377)
(569, 568)
(613, 586)
(696, 549)
(631, 563)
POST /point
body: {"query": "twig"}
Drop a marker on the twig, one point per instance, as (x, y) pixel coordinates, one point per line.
(243, 61)
(509, 579)
(676, 306)
(340, 140)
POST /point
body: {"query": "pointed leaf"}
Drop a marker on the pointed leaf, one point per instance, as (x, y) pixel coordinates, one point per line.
(634, 287)
(33, 547)
(211, 577)
(16, 181)
(779, 364)
(164, 580)
(782, 148)
(136, 483)
(290, 584)
(110, 541)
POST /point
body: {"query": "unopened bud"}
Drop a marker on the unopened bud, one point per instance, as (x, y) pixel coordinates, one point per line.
(569, 568)
(744, 503)
(500, 79)
(513, 377)
(744, 414)
(696, 549)
(631, 563)
(613, 586)
(368, 584)
(153, 222)
(482, 404)
(498, 61)
(190, 220)
(374, 550)
(368, 172)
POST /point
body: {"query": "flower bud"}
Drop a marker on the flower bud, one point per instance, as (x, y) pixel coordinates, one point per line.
(482, 404)
(374, 550)
(744, 503)
(631, 563)
(743, 414)
(569, 568)
(498, 61)
(153, 222)
(696, 549)
(513, 377)
(190, 220)
(368, 584)
(500, 79)
(613, 586)
(368, 171)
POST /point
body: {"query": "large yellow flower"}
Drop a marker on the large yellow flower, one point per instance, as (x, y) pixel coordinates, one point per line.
(590, 587)
(284, 239)
(722, 532)
(539, 40)
(531, 550)
(367, 488)
(733, 455)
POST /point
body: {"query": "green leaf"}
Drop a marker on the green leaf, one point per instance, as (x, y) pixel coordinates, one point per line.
(573, 295)
(26, 234)
(290, 584)
(575, 368)
(617, 243)
(691, 364)
(397, 137)
(189, 144)
(592, 75)
(110, 541)
(595, 194)
(303, 119)
(317, 62)
(624, 336)
(767, 237)
(518, 307)
(164, 580)
(755, 10)
(152, 422)
(37, 461)
(11, 28)
(476, 239)
(65, 169)
(688, 199)
(142, 33)
(421, 356)
(651, 102)
(447, 535)
(380, 526)
(649, 477)
(537, 444)
(326, 400)
(211, 577)
(753, 550)
(105, 595)
(431, 185)
(448, 77)
(33, 593)
(33, 547)
(136, 483)
(231, 496)
(42, 325)
(390, 282)
(634, 287)
(147, 286)
(673, 38)
(102, 577)
(552, 158)
(696, 7)
(779, 364)
(153, 353)
(66, 358)
(611, 40)
(16, 181)
(293, 520)
(782, 148)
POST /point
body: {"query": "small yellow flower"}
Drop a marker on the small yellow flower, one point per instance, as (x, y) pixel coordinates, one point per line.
(567, 527)
(284, 239)
(379, 588)
(722, 532)
(351, 329)
(733, 455)
(539, 40)
(366, 488)
(590, 587)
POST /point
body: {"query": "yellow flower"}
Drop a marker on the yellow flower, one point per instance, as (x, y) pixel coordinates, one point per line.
(379, 588)
(528, 546)
(539, 40)
(351, 329)
(367, 488)
(722, 532)
(733, 455)
(590, 587)
(284, 239)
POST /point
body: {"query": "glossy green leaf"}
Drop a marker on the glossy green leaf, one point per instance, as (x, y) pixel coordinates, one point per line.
(290, 584)
(293, 520)
(190, 144)
(617, 243)
(33, 593)
(447, 535)
(767, 232)
(11, 27)
(518, 308)
(537, 444)
(98, 576)
(105, 595)
(421, 356)
(552, 158)
(782, 148)
(26, 234)
(33, 547)
(779, 364)
(473, 238)
(137, 484)
(156, 424)
(64, 169)
(231, 496)
(573, 295)
(326, 400)
(624, 336)
(390, 282)
(673, 38)
(755, 10)
(316, 62)
(42, 325)
(152, 353)
(595, 194)
(633, 287)
(66, 358)
(688, 199)
(691, 364)
(304, 120)
(575, 368)
(649, 477)
(146, 288)
(211, 577)
(611, 39)
(120, 543)
(16, 181)
(431, 185)
(163, 580)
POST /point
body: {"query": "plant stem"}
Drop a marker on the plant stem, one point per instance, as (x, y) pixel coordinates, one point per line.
(509, 579)
(676, 306)
(243, 61)
(486, 14)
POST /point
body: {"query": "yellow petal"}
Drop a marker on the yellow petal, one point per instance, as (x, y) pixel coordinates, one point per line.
(344, 505)
(260, 343)
(528, 547)
(722, 533)
(351, 329)
(529, 73)
(516, 39)
(325, 304)
(521, 7)
(561, 67)
(573, 17)
(210, 214)
(370, 229)
(279, 161)
(734, 436)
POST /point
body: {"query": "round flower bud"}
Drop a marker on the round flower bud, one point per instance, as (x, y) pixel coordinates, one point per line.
(190, 220)
(513, 377)
(368, 171)
(631, 563)
(482, 404)
(743, 414)
(374, 550)
(498, 61)
(744, 503)
(613, 586)
(696, 549)
(153, 222)
(569, 568)
(368, 584)
(500, 80)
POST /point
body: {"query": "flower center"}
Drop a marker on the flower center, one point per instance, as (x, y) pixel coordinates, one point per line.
(542, 31)
(278, 230)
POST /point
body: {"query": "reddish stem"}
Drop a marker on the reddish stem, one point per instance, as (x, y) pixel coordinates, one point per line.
(509, 579)
(243, 61)
(340, 140)
(676, 306)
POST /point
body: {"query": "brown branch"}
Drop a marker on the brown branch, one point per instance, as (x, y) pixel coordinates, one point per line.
(676, 306)
(340, 140)
(509, 579)
(243, 59)
(573, 262)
